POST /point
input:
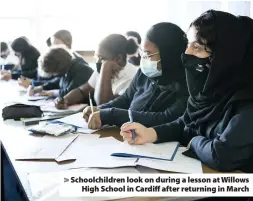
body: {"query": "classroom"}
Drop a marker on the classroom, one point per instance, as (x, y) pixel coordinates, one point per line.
(135, 100)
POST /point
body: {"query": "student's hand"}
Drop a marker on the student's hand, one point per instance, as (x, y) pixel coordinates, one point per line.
(5, 76)
(47, 93)
(60, 104)
(87, 112)
(31, 91)
(24, 82)
(143, 134)
(94, 121)
(111, 67)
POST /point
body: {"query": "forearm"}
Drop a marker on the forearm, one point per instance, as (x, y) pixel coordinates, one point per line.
(74, 97)
(103, 90)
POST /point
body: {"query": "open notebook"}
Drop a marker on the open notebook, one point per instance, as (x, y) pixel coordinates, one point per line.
(163, 151)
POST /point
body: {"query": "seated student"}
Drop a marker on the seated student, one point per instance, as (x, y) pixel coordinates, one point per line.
(8, 60)
(59, 61)
(64, 37)
(61, 37)
(134, 59)
(217, 124)
(113, 74)
(28, 56)
(158, 93)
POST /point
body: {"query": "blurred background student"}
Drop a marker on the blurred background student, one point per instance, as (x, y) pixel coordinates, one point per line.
(58, 61)
(113, 75)
(65, 37)
(136, 58)
(8, 59)
(61, 37)
(27, 55)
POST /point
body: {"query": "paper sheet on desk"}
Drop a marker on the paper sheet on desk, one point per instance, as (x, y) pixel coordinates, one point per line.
(181, 163)
(47, 147)
(71, 109)
(44, 186)
(75, 147)
(98, 154)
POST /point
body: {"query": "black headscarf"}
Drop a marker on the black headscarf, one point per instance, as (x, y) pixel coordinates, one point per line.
(170, 40)
(230, 78)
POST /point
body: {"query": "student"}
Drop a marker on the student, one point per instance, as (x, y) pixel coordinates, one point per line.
(158, 93)
(61, 37)
(217, 124)
(8, 59)
(64, 37)
(135, 59)
(59, 61)
(113, 74)
(28, 56)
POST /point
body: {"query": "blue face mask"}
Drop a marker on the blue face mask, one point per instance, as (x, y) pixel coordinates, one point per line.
(149, 68)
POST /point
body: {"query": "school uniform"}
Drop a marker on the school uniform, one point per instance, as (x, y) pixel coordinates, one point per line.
(78, 74)
(29, 68)
(217, 124)
(159, 99)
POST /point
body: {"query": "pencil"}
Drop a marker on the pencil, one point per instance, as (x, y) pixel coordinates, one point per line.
(91, 104)
(131, 121)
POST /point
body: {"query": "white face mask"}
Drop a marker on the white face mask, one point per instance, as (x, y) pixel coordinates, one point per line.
(149, 67)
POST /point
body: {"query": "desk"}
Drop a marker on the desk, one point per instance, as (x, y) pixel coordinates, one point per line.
(15, 136)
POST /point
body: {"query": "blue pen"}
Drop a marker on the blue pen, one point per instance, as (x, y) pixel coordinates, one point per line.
(131, 121)
(32, 84)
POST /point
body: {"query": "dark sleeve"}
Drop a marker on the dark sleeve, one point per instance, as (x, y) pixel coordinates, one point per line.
(114, 112)
(80, 77)
(39, 82)
(125, 99)
(52, 84)
(231, 149)
(120, 116)
(169, 132)
(15, 74)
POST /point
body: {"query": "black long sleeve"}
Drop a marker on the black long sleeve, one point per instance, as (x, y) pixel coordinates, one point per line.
(116, 116)
(52, 84)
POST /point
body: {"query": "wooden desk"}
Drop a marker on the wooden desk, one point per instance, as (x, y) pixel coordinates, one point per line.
(15, 136)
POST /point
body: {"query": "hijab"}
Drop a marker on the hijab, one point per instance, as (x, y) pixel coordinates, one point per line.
(170, 40)
(230, 76)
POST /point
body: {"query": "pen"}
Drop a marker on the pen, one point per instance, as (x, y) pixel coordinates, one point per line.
(131, 121)
(91, 105)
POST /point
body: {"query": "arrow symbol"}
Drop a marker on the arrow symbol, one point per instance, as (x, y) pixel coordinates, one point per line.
(66, 179)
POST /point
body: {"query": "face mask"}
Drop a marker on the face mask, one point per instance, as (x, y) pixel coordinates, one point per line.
(197, 71)
(98, 66)
(149, 68)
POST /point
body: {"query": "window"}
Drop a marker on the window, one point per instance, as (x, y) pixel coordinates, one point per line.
(91, 20)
